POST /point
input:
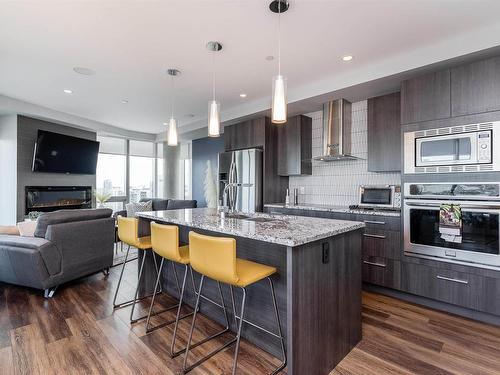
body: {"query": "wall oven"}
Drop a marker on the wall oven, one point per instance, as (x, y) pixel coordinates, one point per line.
(480, 208)
(467, 148)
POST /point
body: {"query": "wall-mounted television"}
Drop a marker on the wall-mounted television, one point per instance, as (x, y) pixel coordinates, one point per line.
(58, 153)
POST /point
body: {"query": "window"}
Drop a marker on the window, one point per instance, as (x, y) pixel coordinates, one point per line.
(141, 171)
(111, 172)
(145, 164)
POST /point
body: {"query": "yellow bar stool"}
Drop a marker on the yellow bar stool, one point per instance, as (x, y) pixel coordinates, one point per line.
(215, 258)
(165, 243)
(128, 233)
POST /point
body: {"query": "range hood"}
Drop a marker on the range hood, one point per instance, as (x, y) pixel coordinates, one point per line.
(336, 131)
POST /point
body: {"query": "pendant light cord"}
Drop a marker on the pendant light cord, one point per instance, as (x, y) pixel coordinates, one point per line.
(172, 96)
(279, 37)
(213, 74)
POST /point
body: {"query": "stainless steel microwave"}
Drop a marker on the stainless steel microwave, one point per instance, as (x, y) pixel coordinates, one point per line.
(466, 148)
(380, 196)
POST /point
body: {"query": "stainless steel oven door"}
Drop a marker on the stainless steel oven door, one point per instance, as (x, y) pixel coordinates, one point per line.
(480, 232)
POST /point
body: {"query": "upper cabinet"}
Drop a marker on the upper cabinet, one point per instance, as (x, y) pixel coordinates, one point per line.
(295, 146)
(475, 87)
(384, 133)
(248, 134)
(426, 97)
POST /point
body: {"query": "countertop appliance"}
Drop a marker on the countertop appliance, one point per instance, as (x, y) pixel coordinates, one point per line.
(336, 131)
(480, 208)
(467, 148)
(240, 180)
(379, 196)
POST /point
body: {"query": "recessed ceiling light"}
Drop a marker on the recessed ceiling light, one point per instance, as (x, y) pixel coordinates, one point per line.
(68, 91)
(269, 58)
(243, 95)
(84, 71)
(165, 123)
(347, 58)
(124, 101)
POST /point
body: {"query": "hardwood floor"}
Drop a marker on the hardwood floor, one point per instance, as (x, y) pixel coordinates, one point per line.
(77, 332)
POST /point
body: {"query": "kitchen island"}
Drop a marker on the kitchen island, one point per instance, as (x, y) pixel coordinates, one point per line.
(318, 284)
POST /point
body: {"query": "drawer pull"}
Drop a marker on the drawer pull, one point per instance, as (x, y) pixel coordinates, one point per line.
(374, 222)
(453, 280)
(374, 236)
(375, 264)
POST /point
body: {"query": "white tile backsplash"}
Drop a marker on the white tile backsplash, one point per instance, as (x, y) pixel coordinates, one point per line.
(336, 183)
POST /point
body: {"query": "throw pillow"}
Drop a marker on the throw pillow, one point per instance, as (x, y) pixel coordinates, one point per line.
(133, 208)
(27, 228)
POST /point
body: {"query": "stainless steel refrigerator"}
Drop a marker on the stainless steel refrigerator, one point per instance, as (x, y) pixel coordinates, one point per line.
(242, 170)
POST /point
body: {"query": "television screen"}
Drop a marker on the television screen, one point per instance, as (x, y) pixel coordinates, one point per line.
(58, 153)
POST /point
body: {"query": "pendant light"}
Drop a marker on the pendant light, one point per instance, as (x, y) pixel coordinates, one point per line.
(213, 105)
(172, 123)
(279, 102)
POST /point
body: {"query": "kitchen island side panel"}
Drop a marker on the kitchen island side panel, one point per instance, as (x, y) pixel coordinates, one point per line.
(324, 303)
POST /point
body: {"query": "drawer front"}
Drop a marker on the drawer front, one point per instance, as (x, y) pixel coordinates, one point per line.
(381, 271)
(382, 243)
(380, 222)
(449, 286)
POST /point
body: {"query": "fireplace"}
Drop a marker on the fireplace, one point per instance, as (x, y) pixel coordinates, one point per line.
(53, 198)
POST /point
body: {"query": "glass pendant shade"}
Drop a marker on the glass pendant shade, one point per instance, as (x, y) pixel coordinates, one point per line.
(172, 132)
(278, 108)
(213, 118)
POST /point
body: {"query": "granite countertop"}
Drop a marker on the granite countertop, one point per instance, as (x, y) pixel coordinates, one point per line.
(278, 229)
(321, 207)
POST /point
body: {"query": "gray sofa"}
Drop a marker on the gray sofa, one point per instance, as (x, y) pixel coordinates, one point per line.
(68, 244)
(160, 204)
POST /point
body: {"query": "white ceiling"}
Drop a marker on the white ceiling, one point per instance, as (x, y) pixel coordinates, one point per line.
(130, 44)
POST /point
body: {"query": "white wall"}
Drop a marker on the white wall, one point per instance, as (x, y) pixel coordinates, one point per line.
(336, 183)
(8, 169)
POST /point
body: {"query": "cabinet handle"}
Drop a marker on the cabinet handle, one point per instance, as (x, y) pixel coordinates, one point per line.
(374, 222)
(375, 236)
(453, 280)
(375, 264)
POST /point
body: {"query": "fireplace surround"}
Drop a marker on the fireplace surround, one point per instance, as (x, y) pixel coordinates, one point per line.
(53, 198)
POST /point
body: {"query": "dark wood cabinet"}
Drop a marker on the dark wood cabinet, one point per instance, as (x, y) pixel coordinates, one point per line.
(381, 271)
(260, 133)
(475, 87)
(384, 133)
(295, 146)
(248, 134)
(426, 97)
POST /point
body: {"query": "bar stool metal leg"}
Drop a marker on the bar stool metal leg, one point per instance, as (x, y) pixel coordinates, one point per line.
(137, 289)
(191, 346)
(120, 279)
(238, 336)
(278, 323)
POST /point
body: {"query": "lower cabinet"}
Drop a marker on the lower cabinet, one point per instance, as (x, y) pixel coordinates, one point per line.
(381, 271)
(464, 289)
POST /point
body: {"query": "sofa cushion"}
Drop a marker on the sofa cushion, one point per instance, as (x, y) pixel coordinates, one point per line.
(177, 204)
(69, 216)
(134, 208)
(159, 204)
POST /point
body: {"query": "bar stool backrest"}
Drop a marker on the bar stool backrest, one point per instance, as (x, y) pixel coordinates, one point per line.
(165, 241)
(128, 228)
(214, 257)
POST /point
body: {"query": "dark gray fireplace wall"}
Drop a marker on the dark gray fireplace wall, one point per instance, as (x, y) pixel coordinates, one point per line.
(27, 129)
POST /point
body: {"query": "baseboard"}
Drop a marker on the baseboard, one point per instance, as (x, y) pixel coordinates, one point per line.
(433, 304)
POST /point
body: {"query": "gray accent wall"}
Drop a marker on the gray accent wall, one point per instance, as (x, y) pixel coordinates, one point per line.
(202, 150)
(27, 129)
(8, 162)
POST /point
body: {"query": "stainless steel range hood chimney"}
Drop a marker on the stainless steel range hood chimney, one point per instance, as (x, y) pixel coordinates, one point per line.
(336, 131)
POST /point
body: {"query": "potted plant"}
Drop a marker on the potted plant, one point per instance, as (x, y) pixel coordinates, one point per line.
(101, 198)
